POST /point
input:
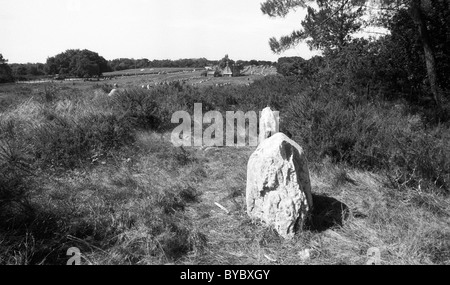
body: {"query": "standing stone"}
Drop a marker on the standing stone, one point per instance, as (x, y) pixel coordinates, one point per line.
(113, 92)
(278, 185)
(267, 124)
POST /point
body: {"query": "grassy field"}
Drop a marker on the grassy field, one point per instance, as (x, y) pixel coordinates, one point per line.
(145, 71)
(190, 76)
(81, 169)
(151, 77)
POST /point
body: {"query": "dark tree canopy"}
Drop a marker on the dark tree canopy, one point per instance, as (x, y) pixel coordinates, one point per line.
(415, 53)
(224, 61)
(5, 71)
(327, 28)
(24, 71)
(281, 8)
(79, 63)
(131, 63)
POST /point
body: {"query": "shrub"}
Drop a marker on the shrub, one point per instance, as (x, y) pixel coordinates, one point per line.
(64, 134)
(372, 136)
(138, 108)
(15, 185)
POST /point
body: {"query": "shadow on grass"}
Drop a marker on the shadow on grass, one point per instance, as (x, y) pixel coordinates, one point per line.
(327, 212)
(30, 236)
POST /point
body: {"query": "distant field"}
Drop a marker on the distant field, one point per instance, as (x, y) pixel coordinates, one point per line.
(191, 76)
(248, 70)
(140, 71)
(14, 93)
(149, 78)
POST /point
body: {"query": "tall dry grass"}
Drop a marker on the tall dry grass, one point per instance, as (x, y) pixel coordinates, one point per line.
(79, 168)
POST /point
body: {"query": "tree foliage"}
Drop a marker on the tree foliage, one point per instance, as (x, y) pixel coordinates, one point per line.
(413, 59)
(131, 63)
(23, 71)
(281, 8)
(224, 61)
(5, 71)
(289, 66)
(79, 63)
(327, 28)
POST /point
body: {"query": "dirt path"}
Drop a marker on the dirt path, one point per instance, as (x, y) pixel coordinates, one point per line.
(227, 232)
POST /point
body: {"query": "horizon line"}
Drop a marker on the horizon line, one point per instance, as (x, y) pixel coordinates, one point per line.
(171, 59)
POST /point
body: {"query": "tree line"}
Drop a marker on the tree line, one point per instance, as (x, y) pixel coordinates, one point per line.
(411, 60)
(130, 63)
(88, 64)
(71, 63)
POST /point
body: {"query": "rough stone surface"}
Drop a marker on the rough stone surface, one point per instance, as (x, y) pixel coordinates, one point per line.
(267, 124)
(278, 185)
(113, 92)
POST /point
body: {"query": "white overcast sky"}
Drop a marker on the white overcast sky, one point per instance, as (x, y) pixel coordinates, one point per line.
(32, 30)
